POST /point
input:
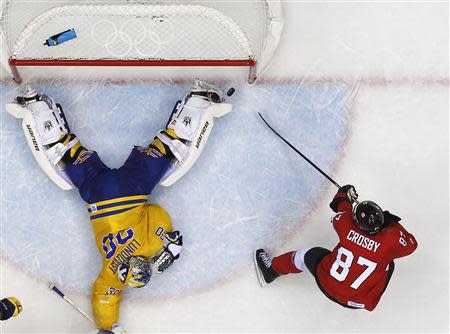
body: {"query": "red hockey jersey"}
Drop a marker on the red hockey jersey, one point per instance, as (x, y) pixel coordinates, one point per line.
(355, 273)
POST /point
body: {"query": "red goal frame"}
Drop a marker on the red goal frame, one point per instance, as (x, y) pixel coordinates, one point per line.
(14, 63)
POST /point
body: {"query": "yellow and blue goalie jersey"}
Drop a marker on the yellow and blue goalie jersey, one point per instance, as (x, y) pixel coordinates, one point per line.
(124, 225)
(138, 231)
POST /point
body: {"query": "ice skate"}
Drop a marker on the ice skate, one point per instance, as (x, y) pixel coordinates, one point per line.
(205, 89)
(264, 270)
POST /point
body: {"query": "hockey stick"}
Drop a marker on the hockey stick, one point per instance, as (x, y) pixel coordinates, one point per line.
(300, 153)
(61, 294)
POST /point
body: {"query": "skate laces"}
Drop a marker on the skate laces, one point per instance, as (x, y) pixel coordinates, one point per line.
(267, 261)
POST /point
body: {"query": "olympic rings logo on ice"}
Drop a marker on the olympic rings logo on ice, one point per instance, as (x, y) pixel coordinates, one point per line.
(137, 37)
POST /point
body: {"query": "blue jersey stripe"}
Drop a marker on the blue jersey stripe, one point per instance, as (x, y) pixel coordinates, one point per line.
(111, 205)
(106, 214)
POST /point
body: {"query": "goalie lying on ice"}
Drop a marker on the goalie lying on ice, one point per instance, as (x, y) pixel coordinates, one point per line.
(135, 239)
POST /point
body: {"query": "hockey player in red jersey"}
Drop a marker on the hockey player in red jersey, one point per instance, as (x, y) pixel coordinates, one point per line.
(356, 273)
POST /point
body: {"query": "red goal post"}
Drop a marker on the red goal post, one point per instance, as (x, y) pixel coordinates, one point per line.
(143, 33)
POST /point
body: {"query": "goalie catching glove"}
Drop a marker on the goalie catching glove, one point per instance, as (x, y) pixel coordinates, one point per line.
(45, 128)
(169, 253)
(189, 127)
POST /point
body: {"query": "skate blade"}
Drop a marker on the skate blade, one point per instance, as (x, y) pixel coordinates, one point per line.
(259, 274)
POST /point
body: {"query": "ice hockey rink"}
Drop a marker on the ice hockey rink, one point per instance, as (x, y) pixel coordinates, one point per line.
(360, 87)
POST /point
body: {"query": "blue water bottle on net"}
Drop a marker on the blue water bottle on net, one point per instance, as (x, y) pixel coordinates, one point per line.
(61, 37)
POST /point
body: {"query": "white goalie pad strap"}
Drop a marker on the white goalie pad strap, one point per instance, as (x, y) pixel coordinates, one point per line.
(199, 139)
(178, 149)
(54, 171)
(57, 151)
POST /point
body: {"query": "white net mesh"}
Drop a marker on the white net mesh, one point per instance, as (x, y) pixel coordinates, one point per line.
(137, 29)
(134, 32)
(125, 32)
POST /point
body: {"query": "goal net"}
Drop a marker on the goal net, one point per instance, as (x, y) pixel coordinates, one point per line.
(143, 33)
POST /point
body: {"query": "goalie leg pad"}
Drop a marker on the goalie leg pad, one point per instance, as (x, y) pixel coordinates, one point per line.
(188, 117)
(45, 129)
(192, 123)
(50, 121)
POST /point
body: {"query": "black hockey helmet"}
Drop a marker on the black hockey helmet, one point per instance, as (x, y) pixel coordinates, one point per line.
(368, 217)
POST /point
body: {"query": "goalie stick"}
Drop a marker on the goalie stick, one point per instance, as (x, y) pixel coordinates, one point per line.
(63, 296)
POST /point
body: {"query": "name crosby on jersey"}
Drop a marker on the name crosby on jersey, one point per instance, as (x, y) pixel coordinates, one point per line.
(363, 241)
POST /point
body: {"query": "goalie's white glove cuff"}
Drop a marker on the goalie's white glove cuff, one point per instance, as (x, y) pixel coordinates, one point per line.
(174, 249)
(173, 243)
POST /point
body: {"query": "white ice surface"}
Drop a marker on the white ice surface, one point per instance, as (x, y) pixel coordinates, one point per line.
(245, 188)
(396, 152)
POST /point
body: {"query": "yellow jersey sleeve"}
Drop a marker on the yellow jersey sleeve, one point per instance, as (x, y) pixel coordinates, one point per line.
(157, 223)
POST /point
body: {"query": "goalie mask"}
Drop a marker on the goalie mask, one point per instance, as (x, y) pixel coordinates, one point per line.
(368, 217)
(135, 272)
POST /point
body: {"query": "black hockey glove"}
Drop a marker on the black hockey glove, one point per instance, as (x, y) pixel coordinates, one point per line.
(350, 191)
(351, 196)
